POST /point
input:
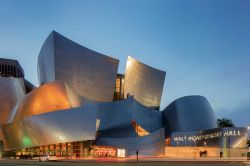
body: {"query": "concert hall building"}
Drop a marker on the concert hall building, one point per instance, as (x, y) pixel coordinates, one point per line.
(84, 108)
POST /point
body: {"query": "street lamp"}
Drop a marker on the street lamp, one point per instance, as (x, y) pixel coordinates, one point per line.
(194, 153)
(248, 128)
(177, 148)
(205, 151)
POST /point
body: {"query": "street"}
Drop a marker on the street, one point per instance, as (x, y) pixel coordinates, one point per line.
(9, 162)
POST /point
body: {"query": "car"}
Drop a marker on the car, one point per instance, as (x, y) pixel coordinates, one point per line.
(47, 158)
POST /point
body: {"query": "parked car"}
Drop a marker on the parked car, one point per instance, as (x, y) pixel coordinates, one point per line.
(47, 158)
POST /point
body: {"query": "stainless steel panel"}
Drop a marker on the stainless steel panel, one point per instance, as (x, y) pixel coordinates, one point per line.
(12, 90)
(50, 128)
(48, 97)
(188, 113)
(116, 118)
(80, 124)
(45, 65)
(150, 145)
(144, 83)
(89, 74)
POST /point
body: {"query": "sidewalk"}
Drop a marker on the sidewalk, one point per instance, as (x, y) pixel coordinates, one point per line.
(145, 159)
(154, 159)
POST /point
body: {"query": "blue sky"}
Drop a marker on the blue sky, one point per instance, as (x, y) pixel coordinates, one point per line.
(203, 45)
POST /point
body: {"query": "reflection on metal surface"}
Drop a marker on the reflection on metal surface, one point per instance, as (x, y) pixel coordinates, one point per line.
(51, 128)
(46, 98)
(116, 117)
(74, 99)
(111, 120)
(74, 107)
(188, 113)
(150, 145)
(139, 130)
(144, 83)
(89, 74)
(12, 90)
(97, 124)
(116, 127)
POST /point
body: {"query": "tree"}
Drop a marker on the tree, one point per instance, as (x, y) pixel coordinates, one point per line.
(224, 122)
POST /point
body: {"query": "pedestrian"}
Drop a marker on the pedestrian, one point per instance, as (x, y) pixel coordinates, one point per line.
(221, 152)
(137, 154)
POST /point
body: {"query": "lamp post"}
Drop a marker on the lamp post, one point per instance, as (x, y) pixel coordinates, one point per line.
(248, 128)
(205, 150)
(205, 144)
(194, 148)
(177, 148)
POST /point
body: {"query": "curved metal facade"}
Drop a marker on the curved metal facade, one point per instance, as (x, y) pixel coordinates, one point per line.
(89, 74)
(144, 83)
(116, 129)
(116, 118)
(49, 97)
(188, 113)
(76, 124)
(46, 61)
(150, 145)
(12, 90)
(74, 103)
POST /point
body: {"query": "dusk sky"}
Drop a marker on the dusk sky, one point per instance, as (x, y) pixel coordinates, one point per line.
(203, 45)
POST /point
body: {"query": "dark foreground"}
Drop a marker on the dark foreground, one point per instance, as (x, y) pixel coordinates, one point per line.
(122, 163)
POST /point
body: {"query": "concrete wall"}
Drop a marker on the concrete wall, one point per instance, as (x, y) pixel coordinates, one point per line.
(212, 152)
